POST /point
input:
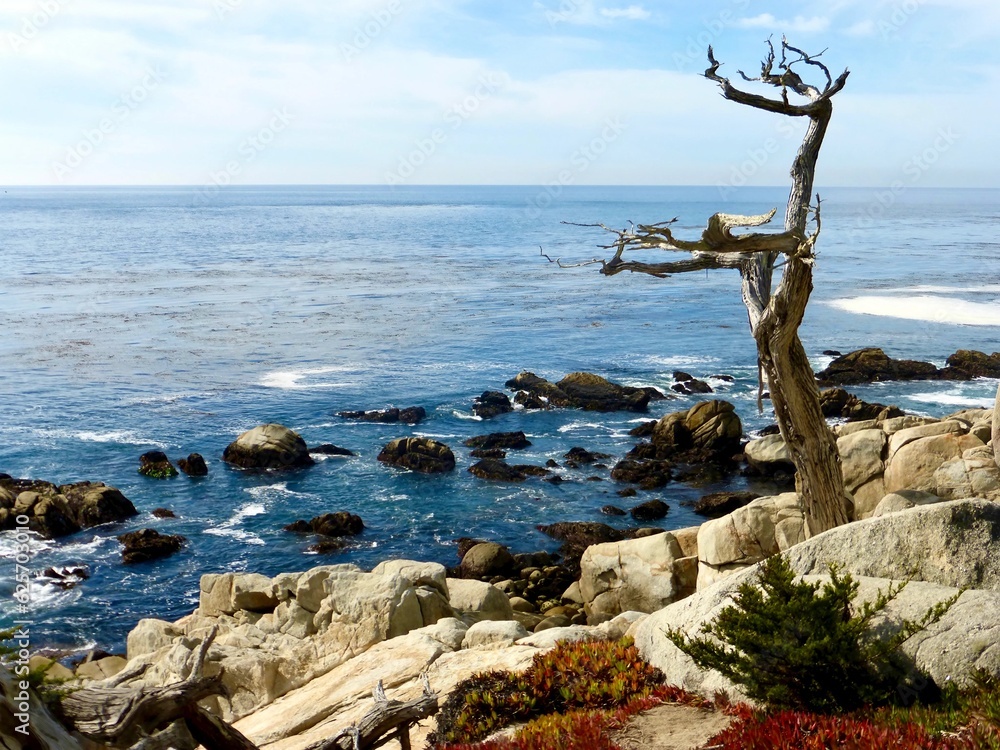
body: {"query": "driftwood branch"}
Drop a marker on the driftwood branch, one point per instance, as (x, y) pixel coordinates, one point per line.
(386, 721)
(114, 714)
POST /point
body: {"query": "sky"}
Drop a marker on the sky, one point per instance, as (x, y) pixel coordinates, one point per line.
(528, 92)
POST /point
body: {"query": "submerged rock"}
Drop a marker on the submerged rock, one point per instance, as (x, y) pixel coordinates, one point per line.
(687, 384)
(500, 471)
(269, 446)
(422, 455)
(328, 449)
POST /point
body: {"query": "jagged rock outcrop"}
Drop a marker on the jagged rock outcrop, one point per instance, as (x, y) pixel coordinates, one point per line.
(422, 455)
(59, 511)
(409, 415)
(584, 390)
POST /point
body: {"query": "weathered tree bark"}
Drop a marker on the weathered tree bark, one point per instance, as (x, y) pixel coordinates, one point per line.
(774, 316)
(388, 720)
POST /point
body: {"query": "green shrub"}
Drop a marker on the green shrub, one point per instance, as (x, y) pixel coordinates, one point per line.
(794, 645)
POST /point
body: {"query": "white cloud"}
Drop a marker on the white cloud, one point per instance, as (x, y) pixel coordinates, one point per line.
(632, 13)
(799, 24)
(862, 28)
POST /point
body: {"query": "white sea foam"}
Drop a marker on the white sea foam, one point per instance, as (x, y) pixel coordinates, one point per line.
(950, 310)
(938, 289)
(582, 426)
(464, 415)
(267, 491)
(292, 379)
(954, 399)
(239, 534)
(229, 527)
(680, 361)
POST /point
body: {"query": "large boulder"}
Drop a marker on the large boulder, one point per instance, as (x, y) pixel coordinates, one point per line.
(491, 404)
(912, 466)
(838, 403)
(269, 446)
(709, 429)
(949, 543)
(479, 600)
(861, 455)
(641, 575)
(748, 535)
(769, 456)
(966, 364)
(155, 464)
(486, 560)
(422, 455)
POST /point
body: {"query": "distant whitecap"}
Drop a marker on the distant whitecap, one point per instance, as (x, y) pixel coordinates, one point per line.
(949, 310)
(304, 379)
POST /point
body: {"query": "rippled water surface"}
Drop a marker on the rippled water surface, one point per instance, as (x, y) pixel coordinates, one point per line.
(136, 319)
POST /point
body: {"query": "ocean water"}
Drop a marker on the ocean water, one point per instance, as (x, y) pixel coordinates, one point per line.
(135, 319)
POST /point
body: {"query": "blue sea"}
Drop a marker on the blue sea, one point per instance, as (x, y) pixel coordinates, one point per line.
(165, 318)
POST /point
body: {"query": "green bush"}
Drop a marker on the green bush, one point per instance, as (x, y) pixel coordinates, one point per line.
(795, 645)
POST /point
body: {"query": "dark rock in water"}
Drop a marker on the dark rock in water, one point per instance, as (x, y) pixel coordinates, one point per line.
(576, 536)
(555, 479)
(836, 402)
(164, 513)
(147, 544)
(771, 429)
(487, 559)
(832, 353)
(873, 365)
(643, 430)
(583, 456)
(613, 510)
(498, 453)
(500, 471)
(509, 440)
(551, 464)
(336, 524)
(583, 390)
(492, 404)
(66, 576)
(529, 401)
(156, 465)
(648, 474)
(689, 385)
(194, 465)
(418, 454)
(466, 543)
(327, 546)
(651, 510)
(720, 504)
(627, 492)
(724, 378)
(328, 449)
(269, 446)
(594, 479)
(966, 364)
(711, 426)
(410, 415)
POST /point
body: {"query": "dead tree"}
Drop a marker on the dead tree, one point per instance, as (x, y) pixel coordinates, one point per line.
(774, 313)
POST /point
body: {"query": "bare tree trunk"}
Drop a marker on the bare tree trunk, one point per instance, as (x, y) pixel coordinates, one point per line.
(819, 480)
(775, 315)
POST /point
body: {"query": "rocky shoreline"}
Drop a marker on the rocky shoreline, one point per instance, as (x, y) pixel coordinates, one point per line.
(293, 648)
